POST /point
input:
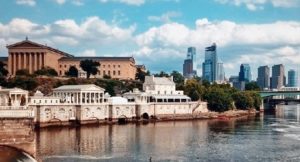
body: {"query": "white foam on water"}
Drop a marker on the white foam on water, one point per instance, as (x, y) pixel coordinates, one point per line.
(293, 136)
(280, 130)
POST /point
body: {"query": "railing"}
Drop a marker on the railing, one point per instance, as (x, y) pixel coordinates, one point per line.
(16, 114)
(13, 108)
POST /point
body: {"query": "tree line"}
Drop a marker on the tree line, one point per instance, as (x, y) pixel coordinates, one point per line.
(220, 97)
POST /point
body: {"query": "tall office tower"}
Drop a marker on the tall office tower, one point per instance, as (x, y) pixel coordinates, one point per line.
(187, 68)
(245, 73)
(220, 72)
(292, 78)
(278, 77)
(209, 66)
(263, 77)
(190, 64)
(191, 54)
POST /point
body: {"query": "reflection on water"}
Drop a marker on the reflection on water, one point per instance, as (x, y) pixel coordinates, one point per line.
(258, 138)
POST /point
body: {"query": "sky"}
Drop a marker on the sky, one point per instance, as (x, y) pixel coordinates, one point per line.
(158, 32)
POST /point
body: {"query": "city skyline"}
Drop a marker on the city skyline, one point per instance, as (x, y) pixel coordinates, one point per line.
(264, 31)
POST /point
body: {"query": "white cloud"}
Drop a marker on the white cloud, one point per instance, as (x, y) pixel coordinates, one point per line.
(74, 2)
(92, 31)
(259, 4)
(227, 34)
(277, 42)
(26, 2)
(89, 52)
(166, 17)
(128, 2)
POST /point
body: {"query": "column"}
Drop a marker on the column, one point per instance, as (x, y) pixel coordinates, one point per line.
(40, 60)
(29, 63)
(85, 97)
(80, 98)
(22, 60)
(35, 62)
(14, 63)
(43, 59)
(19, 61)
(10, 63)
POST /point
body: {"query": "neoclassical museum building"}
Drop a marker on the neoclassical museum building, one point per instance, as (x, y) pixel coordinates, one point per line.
(34, 56)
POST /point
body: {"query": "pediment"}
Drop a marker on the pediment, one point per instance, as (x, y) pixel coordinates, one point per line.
(25, 44)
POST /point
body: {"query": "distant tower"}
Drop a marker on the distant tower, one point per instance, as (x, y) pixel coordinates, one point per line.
(263, 77)
(212, 69)
(245, 73)
(292, 78)
(278, 77)
(190, 64)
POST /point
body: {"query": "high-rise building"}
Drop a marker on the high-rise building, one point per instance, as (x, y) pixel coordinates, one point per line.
(245, 73)
(220, 72)
(190, 64)
(292, 78)
(263, 78)
(212, 69)
(188, 68)
(278, 77)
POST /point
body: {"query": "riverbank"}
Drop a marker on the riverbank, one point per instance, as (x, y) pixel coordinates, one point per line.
(227, 115)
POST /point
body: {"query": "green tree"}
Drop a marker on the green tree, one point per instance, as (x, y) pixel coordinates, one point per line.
(72, 72)
(252, 86)
(140, 74)
(256, 100)
(243, 100)
(3, 71)
(22, 72)
(218, 100)
(47, 71)
(193, 89)
(177, 77)
(90, 67)
(162, 74)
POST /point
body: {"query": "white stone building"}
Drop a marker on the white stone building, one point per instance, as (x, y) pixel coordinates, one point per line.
(14, 103)
(160, 98)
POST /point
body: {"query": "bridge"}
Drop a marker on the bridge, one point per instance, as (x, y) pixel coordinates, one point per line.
(273, 98)
(265, 94)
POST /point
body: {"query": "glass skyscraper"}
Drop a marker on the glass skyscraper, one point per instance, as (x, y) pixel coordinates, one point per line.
(263, 77)
(245, 73)
(292, 78)
(212, 69)
(278, 77)
(190, 64)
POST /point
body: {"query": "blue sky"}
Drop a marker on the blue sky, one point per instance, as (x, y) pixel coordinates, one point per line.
(158, 32)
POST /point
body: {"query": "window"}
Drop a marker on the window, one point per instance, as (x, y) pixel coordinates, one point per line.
(114, 66)
(119, 72)
(60, 66)
(103, 66)
(108, 66)
(65, 66)
(119, 66)
(108, 72)
(59, 72)
(114, 72)
(104, 72)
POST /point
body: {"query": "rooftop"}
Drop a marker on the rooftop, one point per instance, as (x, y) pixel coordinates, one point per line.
(96, 58)
(26, 41)
(85, 87)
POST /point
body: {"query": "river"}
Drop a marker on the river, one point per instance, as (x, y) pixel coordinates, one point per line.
(268, 137)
